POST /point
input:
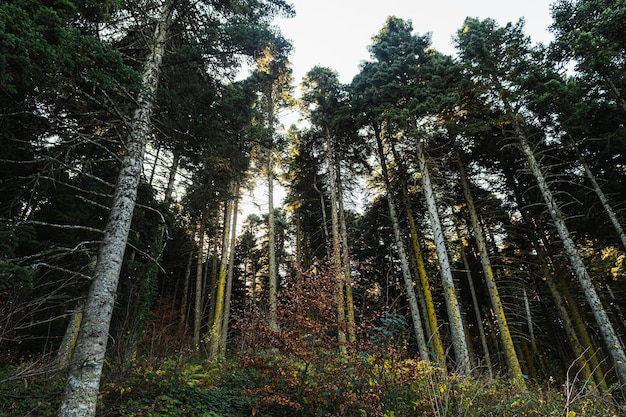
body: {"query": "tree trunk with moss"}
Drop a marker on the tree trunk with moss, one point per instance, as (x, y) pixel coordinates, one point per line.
(215, 330)
(515, 371)
(229, 277)
(345, 253)
(457, 331)
(64, 354)
(197, 315)
(611, 340)
(182, 316)
(337, 261)
(479, 320)
(85, 370)
(404, 263)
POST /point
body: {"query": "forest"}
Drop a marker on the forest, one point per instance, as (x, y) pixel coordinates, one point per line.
(442, 236)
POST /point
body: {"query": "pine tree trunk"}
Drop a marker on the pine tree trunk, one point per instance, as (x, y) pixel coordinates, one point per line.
(229, 277)
(345, 252)
(271, 232)
(182, 316)
(580, 342)
(169, 190)
(323, 207)
(214, 267)
(215, 330)
(479, 320)
(64, 354)
(83, 381)
(154, 164)
(298, 258)
(570, 331)
(605, 203)
(515, 371)
(607, 331)
(336, 243)
(404, 263)
(428, 303)
(457, 331)
(197, 312)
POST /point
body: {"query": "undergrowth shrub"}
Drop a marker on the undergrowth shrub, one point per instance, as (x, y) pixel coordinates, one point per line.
(177, 387)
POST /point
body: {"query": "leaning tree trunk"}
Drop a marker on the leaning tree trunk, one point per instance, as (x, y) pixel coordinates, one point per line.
(64, 354)
(83, 381)
(515, 371)
(428, 303)
(580, 343)
(457, 331)
(605, 203)
(611, 341)
(404, 263)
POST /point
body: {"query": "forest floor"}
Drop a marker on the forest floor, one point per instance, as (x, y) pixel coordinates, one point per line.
(274, 385)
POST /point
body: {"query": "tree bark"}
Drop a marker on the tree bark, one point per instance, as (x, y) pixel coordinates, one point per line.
(428, 303)
(611, 341)
(83, 382)
(515, 371)
(215, 330)
(197, 314)
(479, 320)
(64, 354)
(336, 243)
(169, 190)
(605, 203)
(271, 226)
(404, 264)
(229, 277)
(182, 317)
(457, 331)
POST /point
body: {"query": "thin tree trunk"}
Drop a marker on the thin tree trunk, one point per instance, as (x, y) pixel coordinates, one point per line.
(169, 190)
(64, 354)
(607, 331)
(479, 320)
(214, 267)
(605, 203)
(182, 317)
(578, 337)
(229, 278)
(429, 305)
(570, 331)
(336, 243)
(515, 371)
(404, 264)
(323, 206)
(345, 251)
(216, 327)
(457, 331)
(154, 165)
(83, 381)
(531, 328)
(197, 313)
(271, 232)
(298, 260)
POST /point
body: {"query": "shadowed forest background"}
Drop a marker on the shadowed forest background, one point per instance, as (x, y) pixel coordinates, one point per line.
(448, 238)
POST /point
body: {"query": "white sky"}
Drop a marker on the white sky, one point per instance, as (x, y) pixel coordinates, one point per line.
(336, 33)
